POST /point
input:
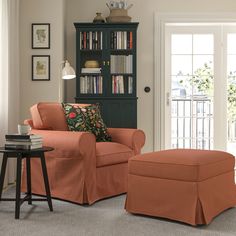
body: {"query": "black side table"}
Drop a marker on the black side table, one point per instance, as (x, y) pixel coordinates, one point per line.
(28, 154)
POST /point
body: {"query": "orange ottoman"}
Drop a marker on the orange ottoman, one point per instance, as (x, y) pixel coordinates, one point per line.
(192, 186)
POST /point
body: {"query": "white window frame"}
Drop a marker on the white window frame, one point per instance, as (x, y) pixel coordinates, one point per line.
(219, 114)
(160, 20)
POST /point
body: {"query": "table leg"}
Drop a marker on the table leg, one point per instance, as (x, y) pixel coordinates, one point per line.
(28, 170)
(46, 182)
(3, 171)
(18, 185)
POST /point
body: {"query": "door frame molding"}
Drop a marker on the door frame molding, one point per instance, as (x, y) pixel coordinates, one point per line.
(160, 20)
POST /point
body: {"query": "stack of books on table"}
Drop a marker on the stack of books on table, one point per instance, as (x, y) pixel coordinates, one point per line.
(23, 141)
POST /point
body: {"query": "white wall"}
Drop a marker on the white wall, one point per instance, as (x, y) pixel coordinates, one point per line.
(43, 11)
(142, 12)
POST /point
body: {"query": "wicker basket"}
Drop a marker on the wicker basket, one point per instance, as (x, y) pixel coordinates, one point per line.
(118, 15)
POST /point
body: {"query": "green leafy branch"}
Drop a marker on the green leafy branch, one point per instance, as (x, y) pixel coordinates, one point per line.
(203, 82)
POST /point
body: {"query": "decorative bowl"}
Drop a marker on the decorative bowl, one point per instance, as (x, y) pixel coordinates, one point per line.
(91, 64)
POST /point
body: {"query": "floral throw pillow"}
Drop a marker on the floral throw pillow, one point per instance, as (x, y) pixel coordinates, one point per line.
(87, 118)
(76, 120)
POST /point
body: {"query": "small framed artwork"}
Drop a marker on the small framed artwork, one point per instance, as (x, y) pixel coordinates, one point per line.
(41, 36)
(40, 67)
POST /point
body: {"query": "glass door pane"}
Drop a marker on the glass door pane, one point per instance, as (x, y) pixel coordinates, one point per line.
(192, 80)
(231, 93)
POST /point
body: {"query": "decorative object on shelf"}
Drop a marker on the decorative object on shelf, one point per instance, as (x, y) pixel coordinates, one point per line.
(40, 67)
(119, 4)
(98, 18)
(91, 64)
(40, 36)
(118, 11)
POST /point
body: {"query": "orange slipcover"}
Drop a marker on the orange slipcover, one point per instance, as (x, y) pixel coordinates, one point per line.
(79, 169)
(192, 186)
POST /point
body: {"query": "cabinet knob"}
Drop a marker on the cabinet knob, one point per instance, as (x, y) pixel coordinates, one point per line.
(147, 89)
(104, 63)
(108, 63)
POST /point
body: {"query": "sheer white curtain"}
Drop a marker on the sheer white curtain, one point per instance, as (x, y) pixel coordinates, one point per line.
(9, 75)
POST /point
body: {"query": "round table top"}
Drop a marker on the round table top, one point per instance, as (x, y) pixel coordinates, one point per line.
(43, 149)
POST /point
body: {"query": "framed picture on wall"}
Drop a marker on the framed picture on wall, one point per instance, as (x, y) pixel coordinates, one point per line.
(40, 36)
(40, 67)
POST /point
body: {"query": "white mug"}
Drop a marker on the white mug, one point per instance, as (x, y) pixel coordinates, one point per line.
(23, 129)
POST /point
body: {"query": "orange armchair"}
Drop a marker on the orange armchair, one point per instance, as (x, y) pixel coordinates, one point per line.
(80, 169)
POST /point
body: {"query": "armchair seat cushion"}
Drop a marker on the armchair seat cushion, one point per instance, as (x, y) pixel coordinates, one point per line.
(110, 153)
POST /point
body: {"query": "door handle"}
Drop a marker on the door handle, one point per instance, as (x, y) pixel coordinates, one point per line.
(167, 98)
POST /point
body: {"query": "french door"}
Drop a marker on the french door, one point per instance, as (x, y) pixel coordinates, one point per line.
(200, 87)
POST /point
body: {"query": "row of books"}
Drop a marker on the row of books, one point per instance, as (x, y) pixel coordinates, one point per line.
(121, 64)
(122, 40)
(91, 40)
(19, 141)
(91, 70)
(91, 84)
(118, 84)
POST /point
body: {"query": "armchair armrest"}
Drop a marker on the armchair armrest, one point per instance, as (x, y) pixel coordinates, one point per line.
(71, 165)
(68, 144)
(133, 138)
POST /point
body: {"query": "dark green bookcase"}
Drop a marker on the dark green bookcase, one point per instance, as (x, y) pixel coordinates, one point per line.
(114, 47)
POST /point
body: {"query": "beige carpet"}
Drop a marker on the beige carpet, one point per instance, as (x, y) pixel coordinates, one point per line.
(105, 218)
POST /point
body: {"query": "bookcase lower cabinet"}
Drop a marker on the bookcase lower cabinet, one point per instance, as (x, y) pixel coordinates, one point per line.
(106, 70)
(119, 113)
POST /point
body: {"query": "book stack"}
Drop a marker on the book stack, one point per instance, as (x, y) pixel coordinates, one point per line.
(91, 70)
(122, 64)
(91, 40)
(23, 141)
(122, 40)
(91, 84)
(118, 84)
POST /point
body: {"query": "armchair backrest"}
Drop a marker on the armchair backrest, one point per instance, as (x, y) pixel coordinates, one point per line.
(48, 115)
